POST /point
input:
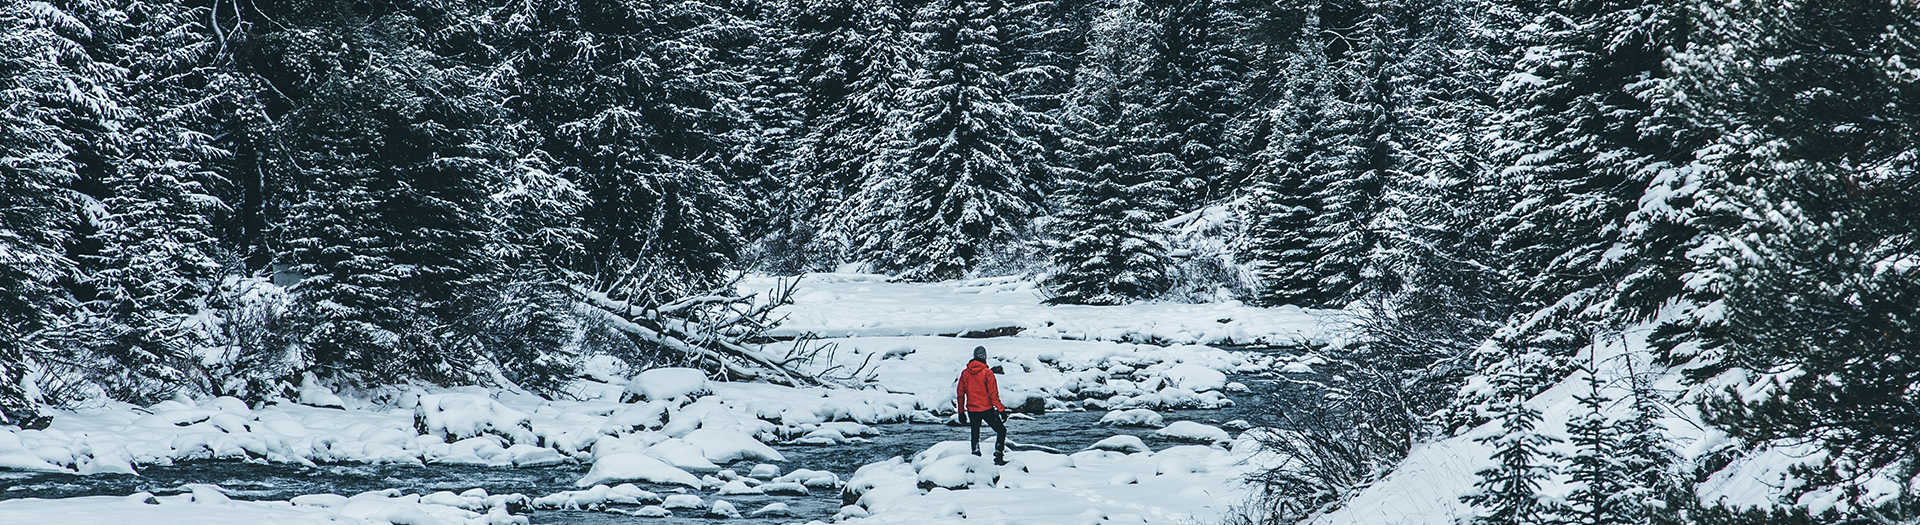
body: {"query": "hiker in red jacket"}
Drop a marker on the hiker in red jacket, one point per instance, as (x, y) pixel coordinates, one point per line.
(978, 397)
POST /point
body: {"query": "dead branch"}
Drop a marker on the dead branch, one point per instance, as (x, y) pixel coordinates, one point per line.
(713, 327)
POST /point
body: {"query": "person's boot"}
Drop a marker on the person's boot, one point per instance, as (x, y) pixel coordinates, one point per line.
(999, 459)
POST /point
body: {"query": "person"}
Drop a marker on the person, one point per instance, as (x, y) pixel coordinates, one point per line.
(978, 397)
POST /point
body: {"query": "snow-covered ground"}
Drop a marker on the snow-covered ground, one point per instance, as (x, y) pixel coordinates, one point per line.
(842, 305)
(1426, 487)
(1116, 483)
(674, 428)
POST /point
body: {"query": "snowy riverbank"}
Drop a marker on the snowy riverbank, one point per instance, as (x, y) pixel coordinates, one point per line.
(672, 430)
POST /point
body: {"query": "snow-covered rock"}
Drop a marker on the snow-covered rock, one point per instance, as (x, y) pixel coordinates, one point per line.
(1194, 432)
(1196, 378)
(634, 466)
(456, 416)
(1137, 417)
(597, 497)
(661, 384)
(959, 472)
(682, 455)
(1121, 443)
(772, 509)
(683, 501)
(207, 505)
(722, 446)
(721, 509)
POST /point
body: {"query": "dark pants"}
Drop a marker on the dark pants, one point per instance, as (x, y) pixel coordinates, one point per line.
(993, 419)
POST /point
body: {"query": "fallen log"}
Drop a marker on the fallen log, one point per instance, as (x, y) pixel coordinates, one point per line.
(716, 328)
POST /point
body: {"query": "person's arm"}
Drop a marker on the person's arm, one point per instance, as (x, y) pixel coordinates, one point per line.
(960, 395)
(993, 392)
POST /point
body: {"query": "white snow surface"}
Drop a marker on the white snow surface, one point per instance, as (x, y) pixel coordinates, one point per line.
(206, 505)
(1184, 484)
(1425, 488)
(661, 384)
(848, 305)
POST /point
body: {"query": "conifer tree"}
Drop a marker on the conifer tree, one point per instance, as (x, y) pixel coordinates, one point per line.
(851, 60)
(531, 333)
(1508, 493)
(1358, 160)
(1595, 467)
(44, 83)
(390, 233)
(1652, 489)
(1197, 73)
(1114, 201)
(638, 106)
(155, 263)
(1286, 201)
(964, 174)
(1585, 139)
(1806, 204)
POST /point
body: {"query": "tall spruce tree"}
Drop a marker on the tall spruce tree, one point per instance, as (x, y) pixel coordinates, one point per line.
(1279, 240)
(1358, 160)
(47, 82)
(532, 326)
(155, 265)
(390, 233)
(1198, 76)
(1806, 277)
(1120, 190)
(636, 100)
(1585, 140)
(850, 61)
(964, 175)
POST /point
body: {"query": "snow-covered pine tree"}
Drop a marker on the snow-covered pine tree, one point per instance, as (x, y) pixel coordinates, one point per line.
(1279, 240)
(155, 261)
(1508, 493)
(1114, 199)
(1437, 240)
(1807, 277)
(1653, 491)
(849, 60)
(964, 174)
(46, 80)
(1582, 139)
(1594, 467)
(638, 110)
(531, 333)
(154, 269)
(391, 233)
(1198, 75)
(1585, 140)
(1358, 160)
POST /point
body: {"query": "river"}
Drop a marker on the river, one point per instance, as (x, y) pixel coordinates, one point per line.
(1065, 431)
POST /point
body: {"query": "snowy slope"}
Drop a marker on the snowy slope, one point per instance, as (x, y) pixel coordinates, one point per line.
(1425, 488)
(846, 305)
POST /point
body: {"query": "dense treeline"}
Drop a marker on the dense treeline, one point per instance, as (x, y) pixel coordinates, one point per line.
(218, 197)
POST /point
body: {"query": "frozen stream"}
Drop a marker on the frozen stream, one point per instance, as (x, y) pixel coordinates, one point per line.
(1068, 431)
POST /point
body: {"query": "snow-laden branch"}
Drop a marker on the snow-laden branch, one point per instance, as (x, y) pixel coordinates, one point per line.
(713, 327)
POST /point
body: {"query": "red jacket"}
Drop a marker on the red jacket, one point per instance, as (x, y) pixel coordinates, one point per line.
(978, 391)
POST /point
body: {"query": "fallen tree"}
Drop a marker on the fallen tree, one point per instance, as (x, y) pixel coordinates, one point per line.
(714, 328)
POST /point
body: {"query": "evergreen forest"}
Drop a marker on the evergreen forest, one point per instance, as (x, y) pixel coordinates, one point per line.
(219, 197)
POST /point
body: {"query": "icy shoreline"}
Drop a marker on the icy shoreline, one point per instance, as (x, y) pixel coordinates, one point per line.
(675, 428)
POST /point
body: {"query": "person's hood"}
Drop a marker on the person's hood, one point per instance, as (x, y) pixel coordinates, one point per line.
(976, 366)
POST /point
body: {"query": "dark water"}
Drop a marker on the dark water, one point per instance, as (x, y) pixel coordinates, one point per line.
(1066, 431)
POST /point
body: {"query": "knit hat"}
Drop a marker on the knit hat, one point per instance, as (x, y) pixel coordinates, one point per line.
(980, 352)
